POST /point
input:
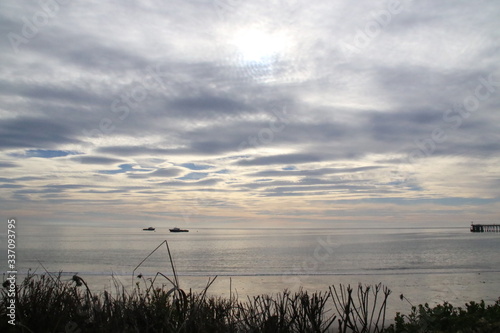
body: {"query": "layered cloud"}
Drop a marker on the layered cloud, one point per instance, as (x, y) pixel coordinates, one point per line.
(213, 112)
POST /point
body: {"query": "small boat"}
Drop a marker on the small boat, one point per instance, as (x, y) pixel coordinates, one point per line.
(178, 230)
(149, 229)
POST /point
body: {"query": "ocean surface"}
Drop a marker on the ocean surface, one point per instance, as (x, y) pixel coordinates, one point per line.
(426, 265)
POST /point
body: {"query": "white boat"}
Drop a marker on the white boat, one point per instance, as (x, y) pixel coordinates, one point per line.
(178, 230)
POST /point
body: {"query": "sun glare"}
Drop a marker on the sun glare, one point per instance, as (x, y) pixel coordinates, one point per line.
(256, 46)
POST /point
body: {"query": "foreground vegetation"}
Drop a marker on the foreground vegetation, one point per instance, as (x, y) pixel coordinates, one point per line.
(475, 317)
(47, 304)
(44, 303)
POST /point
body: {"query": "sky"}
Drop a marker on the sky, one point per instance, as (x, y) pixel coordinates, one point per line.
(228, 113)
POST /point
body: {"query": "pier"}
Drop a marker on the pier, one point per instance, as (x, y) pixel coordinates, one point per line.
(485, 227)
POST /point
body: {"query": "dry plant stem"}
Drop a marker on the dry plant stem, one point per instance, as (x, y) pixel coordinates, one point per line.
(143, 260)
(172, 264)
(46, 271)
(154, 280)
(387, 292)
(209, 283)
(175, 283)
(375, 294)
(355, 314)
(342, 304)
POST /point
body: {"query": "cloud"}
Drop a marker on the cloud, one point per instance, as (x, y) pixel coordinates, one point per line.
(133, 151)
(96, 160)
(8, 165)
(182, 103)
(158, 173)
(311, 172)
(201, 105)
(122, 168)
(194, 176)
(10, 186)
(30, 132)
(199, 183)
(194, 166)
(281, 159)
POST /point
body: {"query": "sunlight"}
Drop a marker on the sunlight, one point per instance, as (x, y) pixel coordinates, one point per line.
(259, 47)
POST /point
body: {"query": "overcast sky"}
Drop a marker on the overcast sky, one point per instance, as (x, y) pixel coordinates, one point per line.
(250, 113)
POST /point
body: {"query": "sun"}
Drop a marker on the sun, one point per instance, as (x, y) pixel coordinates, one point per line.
(259, 47)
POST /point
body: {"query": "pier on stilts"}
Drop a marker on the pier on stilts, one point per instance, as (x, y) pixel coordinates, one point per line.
(484, 227)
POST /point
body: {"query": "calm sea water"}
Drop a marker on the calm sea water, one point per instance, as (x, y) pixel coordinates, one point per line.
(424, 264)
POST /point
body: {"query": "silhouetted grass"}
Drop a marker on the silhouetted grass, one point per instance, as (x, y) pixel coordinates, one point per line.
(45, 303)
